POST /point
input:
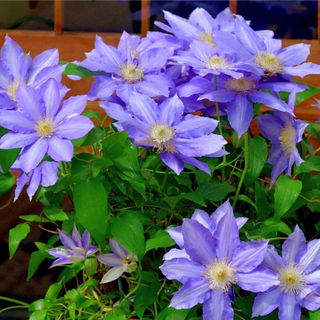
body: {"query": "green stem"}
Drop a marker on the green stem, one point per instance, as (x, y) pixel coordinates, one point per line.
(129, 294)
(13, 307)
(245, 169)
(15, 301)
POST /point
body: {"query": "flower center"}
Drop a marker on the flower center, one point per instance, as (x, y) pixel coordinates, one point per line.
(131, 73)
(269, 62)
(286, 138)
(241, 85)
(220, 275)
(161, 136)
(12, 90)
(216, 62)
(45, 128)
(292, 279)
(207, 37)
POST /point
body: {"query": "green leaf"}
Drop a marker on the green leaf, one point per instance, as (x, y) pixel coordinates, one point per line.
(244, 198)
(18, 233)
(312, 164)
(33, 218)
(172, 314)
(113, 146)
(314, 315)
(214, 191)
(127, 229)
(7, 158)
(307, 94)
(75, 70)
(6, 182)
(286, 193)
(35, 260)
(56, 214)
(39, 315)
(53, 291)
(90, 201)
(161, 239)
(257, 157)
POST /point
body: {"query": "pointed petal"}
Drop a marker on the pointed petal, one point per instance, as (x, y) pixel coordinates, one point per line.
(113, 274)
(272, 259)
(74, 128)
(176, 235)
(20, 183)
(110, 259)
(176, 253)
(289, 309)
(218, 307)
(295, 54)
(266, 302)
(191, 293)
(71, 107)
(51, 97)
(172, 162)
(17, 140)
(34, 182)
(60, 149)
(294, 247)
(102, 88)
(240, 114)
(249, 255)
(182, 270)
(198, 242)
(259, 280)
(171, 110)
(16, 121)
(49, 173)
(311, 259)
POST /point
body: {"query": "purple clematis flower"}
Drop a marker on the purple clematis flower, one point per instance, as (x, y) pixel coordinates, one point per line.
(77, 248)
(46, 174)
(298, 276)
(18, 69)
(209, 222)
(177, 138)
(284, 132)
(270, 57)
(239, 95)
(132, 67)
(42, 127)
(120, 260)
(217, 262)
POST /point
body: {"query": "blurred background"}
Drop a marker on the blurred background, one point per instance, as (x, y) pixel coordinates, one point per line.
(71, 26)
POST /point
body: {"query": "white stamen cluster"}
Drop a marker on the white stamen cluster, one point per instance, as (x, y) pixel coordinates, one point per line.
(220, 275)
(131, 73)
(161, 136)
(216, 62)
(292, 279)
(286, 138)
(45, 128)
(242, 85)
(269, 62)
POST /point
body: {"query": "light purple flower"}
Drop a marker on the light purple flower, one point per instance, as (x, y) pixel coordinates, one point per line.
(217, 262)
(239, 95)
(132, 67)
(270, 57)
(46, 174)
(177, 138)
(298, 275)
(41, 127)
(120, 260)
(76, 248)
(285, 132)
(18, 69)
(209, 222)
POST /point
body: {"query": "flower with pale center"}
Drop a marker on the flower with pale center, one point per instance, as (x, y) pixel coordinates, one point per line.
(12, 90)
(161, 136)
(216, 62)
(292, 279)
(269, 62)
(131, 73)
(286, 138)
(45, 128)
(207, 37)
(220, 275)
(242, 85)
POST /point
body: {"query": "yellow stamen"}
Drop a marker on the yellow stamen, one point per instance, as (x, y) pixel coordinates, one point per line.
(286, 138)
(45, 128)
(292, 279)
(269, 62)
(161, 137)
(216, 62)
(241, 85)
(12, 90)
(220, 275)
(207, 37)
(131, 73)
